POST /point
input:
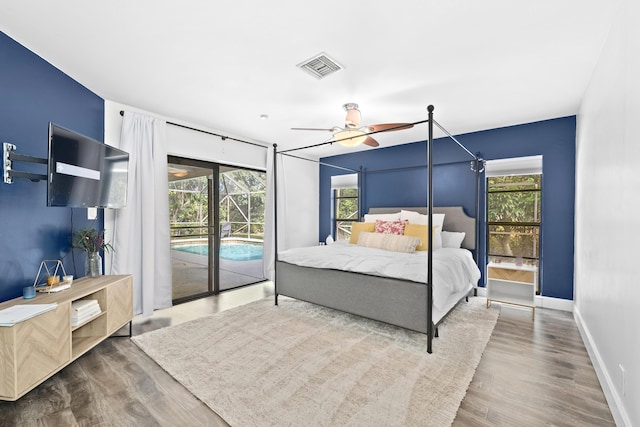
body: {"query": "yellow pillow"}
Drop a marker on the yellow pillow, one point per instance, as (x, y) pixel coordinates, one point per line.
(359, 227)
(421, 232)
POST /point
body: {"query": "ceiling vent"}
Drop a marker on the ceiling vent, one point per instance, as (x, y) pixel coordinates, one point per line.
(320, 66)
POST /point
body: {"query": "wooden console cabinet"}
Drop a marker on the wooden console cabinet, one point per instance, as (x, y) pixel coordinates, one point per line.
(35, 349)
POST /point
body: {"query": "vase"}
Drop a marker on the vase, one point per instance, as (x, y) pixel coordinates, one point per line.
(93, 264)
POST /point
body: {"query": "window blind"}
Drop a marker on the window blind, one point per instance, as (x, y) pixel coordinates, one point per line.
(531, 165)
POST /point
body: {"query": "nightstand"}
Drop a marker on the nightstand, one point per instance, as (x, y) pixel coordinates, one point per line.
(512, 284)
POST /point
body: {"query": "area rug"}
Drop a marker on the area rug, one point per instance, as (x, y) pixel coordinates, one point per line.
(299, 364)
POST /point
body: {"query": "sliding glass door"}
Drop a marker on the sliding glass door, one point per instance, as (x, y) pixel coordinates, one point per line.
(193, 241)
(241, 211)
(217, 227)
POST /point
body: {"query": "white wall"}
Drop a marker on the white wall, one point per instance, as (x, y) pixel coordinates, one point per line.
(607, 288)
(298, 215)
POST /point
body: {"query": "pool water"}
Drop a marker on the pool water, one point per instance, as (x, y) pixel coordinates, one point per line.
(228, 251)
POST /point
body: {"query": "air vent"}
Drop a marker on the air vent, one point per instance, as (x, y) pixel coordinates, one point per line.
(320, 66)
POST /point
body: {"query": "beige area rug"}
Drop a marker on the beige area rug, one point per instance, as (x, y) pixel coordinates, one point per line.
(299, 364)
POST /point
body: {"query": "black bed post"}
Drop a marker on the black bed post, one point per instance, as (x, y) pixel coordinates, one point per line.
(275, 221)
(430, 222)
(360, 192)
(478, 162)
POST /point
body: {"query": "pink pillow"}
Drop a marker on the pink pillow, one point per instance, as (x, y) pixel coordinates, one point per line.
(390, 227)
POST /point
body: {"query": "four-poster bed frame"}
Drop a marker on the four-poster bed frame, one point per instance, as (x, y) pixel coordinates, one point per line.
(365, 295)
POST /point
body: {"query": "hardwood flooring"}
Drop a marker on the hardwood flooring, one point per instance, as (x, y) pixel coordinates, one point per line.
(531, 374)
(534, 373)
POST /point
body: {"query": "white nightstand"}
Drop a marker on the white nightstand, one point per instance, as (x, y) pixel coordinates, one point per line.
(512, 284)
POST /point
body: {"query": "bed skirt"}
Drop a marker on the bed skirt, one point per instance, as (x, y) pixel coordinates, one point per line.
(398, 302)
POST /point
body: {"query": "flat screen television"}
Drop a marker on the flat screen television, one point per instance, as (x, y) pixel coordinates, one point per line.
(83, 172)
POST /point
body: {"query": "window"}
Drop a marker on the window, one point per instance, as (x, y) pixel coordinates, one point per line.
(345, 204)
(513, 218)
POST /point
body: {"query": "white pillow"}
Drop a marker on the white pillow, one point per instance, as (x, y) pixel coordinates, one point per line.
(382, 217)
(451, 239)
(420, 219)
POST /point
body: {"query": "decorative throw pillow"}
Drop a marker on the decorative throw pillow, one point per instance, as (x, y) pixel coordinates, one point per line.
(422, 233)
(358, 227)
(390, 227)
(389, 242)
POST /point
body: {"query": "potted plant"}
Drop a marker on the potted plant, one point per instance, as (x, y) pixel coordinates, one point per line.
(91, 241)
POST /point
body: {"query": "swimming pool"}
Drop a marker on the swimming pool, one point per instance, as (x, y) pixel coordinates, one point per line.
(229, 251)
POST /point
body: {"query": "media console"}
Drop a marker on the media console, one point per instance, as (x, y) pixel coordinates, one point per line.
(33, 350)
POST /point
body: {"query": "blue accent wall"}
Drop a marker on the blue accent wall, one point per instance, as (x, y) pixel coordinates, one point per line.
(397, 176)
(33, 93)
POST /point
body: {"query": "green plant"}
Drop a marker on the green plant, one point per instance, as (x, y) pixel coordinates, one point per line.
(90, 240)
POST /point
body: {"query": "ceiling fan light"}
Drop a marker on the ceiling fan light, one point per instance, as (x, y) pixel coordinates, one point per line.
(353, 118)
(350, 137)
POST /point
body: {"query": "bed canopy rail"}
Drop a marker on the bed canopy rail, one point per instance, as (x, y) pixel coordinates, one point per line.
(477, 166)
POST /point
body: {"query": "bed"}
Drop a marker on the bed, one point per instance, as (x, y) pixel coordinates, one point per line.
(356, 279)
(404, 302)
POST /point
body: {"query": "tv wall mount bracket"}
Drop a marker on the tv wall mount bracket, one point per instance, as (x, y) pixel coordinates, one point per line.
(9, 156)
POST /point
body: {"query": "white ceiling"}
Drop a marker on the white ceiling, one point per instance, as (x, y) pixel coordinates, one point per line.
(221, 64)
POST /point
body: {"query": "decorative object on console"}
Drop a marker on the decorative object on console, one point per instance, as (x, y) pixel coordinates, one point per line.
(93, 264)
(48, 280)
(91, 241)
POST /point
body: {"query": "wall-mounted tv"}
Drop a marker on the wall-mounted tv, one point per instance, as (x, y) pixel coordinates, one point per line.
(83, 172)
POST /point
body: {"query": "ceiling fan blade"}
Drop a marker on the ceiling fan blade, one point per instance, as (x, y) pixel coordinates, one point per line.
(325, 129)
(388, 127)
(370, 142)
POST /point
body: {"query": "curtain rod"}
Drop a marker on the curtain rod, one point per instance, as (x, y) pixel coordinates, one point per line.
(223, 137)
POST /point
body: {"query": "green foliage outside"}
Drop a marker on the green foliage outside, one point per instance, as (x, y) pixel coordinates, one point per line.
(512, 202)
(346, 211)
(242, 203)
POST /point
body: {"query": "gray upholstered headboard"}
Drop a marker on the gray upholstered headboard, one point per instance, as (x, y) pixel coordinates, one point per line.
(455, 219)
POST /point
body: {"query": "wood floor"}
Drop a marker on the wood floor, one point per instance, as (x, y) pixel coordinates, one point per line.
(531, 374)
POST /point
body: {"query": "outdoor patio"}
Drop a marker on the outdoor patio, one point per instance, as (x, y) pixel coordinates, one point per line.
(190, 278)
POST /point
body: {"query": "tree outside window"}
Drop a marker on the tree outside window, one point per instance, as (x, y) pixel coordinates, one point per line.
(345, 203)
(513, 218)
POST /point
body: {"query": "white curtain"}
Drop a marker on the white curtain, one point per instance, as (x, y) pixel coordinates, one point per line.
(268, 257)
(142, 236)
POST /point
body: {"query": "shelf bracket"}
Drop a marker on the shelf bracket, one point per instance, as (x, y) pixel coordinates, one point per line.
(9, 156)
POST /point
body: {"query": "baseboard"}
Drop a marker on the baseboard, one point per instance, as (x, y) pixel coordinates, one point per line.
(554, 303)
(620, 416)
(541, 301)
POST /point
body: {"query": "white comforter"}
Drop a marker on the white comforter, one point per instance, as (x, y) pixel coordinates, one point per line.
(453, 269)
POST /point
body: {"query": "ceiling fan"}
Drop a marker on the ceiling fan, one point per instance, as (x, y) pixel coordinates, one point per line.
(353, 134)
